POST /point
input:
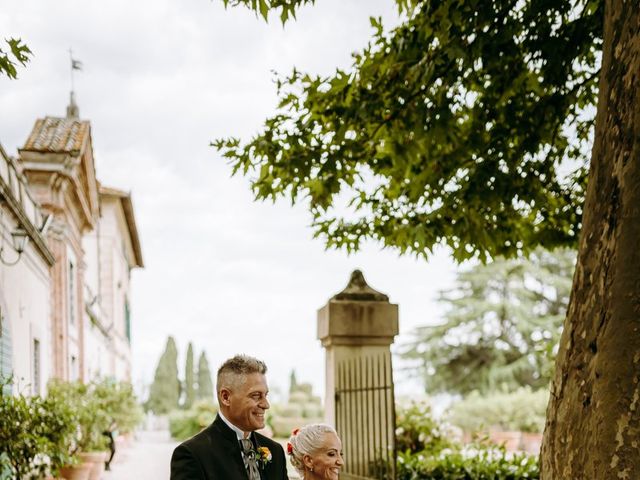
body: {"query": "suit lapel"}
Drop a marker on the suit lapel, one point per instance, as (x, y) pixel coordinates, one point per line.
(231, 446)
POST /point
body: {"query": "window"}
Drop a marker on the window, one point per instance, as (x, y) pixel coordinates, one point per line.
(72, 294)
(127, 320)
(5, 351)
(74, 369)
(35, 388)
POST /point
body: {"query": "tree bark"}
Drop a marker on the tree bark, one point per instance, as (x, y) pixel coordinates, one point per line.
(593, 417)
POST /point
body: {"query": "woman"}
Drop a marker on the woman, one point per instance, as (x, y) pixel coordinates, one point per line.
(315, 452)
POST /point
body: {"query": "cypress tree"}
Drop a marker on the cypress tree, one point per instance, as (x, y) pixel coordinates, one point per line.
(189, 386)
(293, 382)
(164, 393)
(205, 385)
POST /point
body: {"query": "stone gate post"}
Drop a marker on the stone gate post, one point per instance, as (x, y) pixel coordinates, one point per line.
(357, 327)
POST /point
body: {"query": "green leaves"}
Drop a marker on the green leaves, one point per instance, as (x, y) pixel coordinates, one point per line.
(426, 449)
(18, 52)
(263, 7)
(501, 328)
(32, 428)
(164, 393)
(450, 129)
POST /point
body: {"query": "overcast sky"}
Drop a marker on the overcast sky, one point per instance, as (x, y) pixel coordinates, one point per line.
(160, 80)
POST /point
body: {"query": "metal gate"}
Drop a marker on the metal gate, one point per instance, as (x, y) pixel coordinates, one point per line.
(365, 417)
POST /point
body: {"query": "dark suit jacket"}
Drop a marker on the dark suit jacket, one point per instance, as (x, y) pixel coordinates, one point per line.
(214, 454)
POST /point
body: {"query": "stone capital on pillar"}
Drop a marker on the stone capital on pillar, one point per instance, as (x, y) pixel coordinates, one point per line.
(358, 315)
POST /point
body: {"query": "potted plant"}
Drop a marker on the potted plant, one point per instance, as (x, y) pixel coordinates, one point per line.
(88, 450)
(35, 433)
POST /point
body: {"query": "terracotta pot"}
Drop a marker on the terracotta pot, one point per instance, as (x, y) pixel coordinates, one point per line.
(96, 460)
(76, 472)
(531, 442)
(510, 440)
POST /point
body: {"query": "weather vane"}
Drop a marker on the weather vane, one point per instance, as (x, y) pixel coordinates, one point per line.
(75, 65)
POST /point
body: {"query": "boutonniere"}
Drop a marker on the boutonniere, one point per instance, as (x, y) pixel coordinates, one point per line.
(263, 456)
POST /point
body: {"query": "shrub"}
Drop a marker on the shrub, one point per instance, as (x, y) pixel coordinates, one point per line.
(418, 431)
(36, 435)
(119, 402)
(522, 410)
(427, 450)
(290, 410)
(92, 416)
(469, 463)
(298, 397)
(186, 423)
(313, 411)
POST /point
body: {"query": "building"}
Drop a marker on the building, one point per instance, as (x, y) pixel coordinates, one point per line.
(90, 245)
(114, 248)
(25, 282)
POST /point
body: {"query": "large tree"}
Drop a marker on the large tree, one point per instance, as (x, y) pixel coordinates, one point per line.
(502, 322)
(593, 419)
(450, 129)
(164, 393)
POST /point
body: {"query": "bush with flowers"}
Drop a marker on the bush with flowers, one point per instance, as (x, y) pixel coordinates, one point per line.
(36, 434)
(471, 462)
(428, 449)
(418, 431)
(91, 416)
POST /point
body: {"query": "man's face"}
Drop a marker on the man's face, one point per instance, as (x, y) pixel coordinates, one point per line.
(247, 402)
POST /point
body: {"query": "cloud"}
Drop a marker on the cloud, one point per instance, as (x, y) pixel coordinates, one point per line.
(161, 79)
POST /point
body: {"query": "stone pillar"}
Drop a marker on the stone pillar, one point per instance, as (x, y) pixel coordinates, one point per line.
(357, 327)
(59, 306)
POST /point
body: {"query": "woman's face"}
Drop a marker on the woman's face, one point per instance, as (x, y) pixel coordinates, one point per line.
(327, 461)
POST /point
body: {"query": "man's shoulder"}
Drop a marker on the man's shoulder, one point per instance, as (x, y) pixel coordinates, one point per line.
(203, 438)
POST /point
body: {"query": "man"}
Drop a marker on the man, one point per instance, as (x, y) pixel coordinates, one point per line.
(230, 448)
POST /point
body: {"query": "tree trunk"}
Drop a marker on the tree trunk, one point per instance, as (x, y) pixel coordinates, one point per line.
(593, 417)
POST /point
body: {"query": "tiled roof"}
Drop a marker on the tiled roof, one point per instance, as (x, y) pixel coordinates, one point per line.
(51, 134)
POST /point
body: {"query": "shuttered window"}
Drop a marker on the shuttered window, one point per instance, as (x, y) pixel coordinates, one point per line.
(36, 367)
(6, 367)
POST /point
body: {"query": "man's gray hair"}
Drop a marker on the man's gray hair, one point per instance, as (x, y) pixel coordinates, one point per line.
(232, 371)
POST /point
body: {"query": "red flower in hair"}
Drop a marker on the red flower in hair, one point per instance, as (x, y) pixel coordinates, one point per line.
(289, 446)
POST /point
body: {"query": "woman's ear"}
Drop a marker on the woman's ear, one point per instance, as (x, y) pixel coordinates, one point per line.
(308, 462)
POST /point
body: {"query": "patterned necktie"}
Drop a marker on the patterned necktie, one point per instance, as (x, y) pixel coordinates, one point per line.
(250, 460)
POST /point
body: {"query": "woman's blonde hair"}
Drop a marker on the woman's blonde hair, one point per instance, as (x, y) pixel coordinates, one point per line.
(306, 441)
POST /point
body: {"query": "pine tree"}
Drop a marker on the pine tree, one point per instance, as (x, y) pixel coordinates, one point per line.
(189, 386)
(502, 326)
(205, 386)
(164, 393)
